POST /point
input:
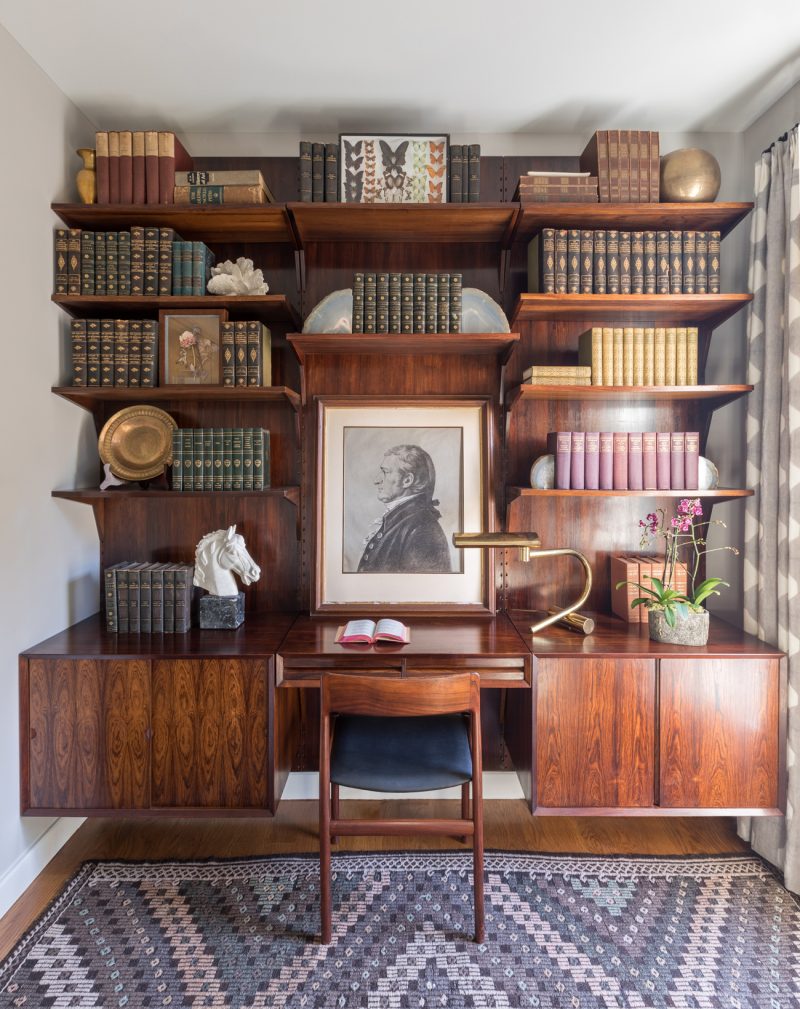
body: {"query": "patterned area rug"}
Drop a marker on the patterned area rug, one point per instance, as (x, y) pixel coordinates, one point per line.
(562, 931)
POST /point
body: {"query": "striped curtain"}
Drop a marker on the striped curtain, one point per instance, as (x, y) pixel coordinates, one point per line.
(772, 518)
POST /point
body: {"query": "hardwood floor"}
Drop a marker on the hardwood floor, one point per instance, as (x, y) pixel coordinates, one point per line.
(508, 825)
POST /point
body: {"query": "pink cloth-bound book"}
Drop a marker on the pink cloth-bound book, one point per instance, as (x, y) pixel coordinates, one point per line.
(635, 475)
(606, 461)
(576, 460)
(620, 460)
(559, 444)
(691, 460)
(649, 473)
(662, 460)
(591, 460)
(677, 470)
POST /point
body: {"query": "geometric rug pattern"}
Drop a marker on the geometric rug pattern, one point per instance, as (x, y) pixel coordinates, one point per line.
(562, 932)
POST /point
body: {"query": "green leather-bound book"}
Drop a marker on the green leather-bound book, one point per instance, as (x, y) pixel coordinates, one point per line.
(93, 352)
(137, 261)
(228, 353)
(208, 458)
(177, 459)
(121, 344)
(134, 353)
(247, 458)
(198, 459)
(149, 373)
(188, 459)
(227, 458)
(112, 263)
(216, 458)
(79, 352)
(237, 464)
(124, 263)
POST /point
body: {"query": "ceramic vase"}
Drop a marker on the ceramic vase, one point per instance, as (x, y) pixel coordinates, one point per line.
(86, 179)
(689, 630)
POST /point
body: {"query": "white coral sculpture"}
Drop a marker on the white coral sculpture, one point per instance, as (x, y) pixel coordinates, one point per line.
(237, 278)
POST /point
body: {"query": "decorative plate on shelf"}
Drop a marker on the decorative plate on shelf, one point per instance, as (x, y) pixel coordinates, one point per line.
(334, 314)
(137, 442)
(543, 473)
(481, 314)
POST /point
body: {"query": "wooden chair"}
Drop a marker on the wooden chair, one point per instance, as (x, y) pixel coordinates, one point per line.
(399, 735)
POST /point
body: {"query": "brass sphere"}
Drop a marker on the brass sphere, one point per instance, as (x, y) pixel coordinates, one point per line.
(689, 175)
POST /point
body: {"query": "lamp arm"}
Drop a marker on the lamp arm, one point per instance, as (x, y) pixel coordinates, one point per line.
(587, 587)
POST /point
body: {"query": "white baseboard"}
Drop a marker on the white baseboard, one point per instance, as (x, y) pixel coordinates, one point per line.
(21, 873)
(496, 785)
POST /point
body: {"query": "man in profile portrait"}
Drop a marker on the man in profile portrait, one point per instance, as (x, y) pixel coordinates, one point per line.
(408, 538)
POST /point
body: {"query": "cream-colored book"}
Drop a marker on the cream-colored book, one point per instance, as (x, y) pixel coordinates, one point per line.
(670, 356)
(649, 356)
(608, 355)
(660, 357)
(680, 357)
(638, 356)
(618, 358)
(627, 355)
(691, 355)
(590, 352)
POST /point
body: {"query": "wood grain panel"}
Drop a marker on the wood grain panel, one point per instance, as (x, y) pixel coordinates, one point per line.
(210, 722)
(89, 722)
(719, 733)
(595, 733)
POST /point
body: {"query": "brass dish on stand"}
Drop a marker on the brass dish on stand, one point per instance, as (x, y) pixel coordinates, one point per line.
(137, 442)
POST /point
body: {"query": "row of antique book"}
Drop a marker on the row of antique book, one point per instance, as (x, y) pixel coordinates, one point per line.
(609, 261)
(407, 302)
(619, 460)
(557, 187)
(465, 173)
(140, 261)
(147, 598)
(220, 459)
(115, 352)
(626, 163)
(639, 569)
(138, 166)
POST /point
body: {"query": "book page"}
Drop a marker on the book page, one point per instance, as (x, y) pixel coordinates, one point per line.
(392, 628)
(361, 628)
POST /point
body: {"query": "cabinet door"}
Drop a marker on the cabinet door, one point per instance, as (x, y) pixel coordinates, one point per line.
(595, 733)
(89, 727)
(210, 723)
(719, 733)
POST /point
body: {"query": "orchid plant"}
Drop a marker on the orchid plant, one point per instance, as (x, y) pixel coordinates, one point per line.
(684, 538)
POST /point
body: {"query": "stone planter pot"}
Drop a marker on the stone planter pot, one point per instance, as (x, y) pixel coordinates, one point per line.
(689, 630)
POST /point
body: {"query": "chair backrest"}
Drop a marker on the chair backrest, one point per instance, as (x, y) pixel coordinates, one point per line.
(414, 695)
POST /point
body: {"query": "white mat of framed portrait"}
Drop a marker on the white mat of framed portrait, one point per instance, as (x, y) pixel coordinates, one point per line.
(395, 481)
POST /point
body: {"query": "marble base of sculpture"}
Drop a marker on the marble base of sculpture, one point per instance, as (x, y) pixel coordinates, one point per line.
(222, 612)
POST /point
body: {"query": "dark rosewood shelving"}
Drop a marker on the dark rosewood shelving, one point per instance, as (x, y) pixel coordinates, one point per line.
(498, 344)
(91, 495)
(717, 495)
(644, 309)
(715, 396)
(264, 307)
(90, 397)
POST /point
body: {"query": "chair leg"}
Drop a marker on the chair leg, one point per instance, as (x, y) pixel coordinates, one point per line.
(334, 807)
(477, 836)
(325, 837)
(465, 807)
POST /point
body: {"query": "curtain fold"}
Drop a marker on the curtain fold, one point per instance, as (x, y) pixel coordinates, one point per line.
(772, 517)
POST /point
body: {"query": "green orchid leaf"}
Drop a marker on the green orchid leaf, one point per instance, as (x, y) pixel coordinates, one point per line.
(669, 616)
(682, 610)
(658, 585)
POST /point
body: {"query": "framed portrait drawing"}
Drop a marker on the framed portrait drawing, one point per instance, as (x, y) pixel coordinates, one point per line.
(393, 168)
(395, 480)
(191, 346)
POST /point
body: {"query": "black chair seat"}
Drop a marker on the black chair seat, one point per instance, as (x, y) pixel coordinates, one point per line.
(409, 754)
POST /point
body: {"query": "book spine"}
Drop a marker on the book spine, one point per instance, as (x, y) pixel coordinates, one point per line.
(443, 309)
(395, 284)
(573, 261)
(606, 465)
(166, 167)
(187, 454)
(602, 165)
(594, 341)
(228, 355)
(134, 353)
(240, 352)
(113, 166)
(134, 588)
(474, 173)
(166, 237)
(591, 460)
(713, 262)
(638, 356)
(649, 472)
(627, 355)
(151, 166)
(101, 167)
(681, 371)
(419, 303)
(624, 569)
(663, 467)
(561, 241)
(358, 302)
(317, 173)
(176, 482)
(635, 461)
(304, 173)
(624, 262)
(87, 262)
(577, 460)
(80, 352)
(633, 166)
(183, 598)
(675, 262)
(670, 356)
(701, 263)
(74, 264)
(612, 261)
(600, 248)
(407, 303)
(186, 268)
(624, 166)
(177, 267)
(124, 263)
(456, 173)
(112, 263)
(691, 355)
(561, 447)
(431, 302)
(660, 356)
(137, 260)
(382, 303)
(216, 459)
(649, 356)
(126, 167)
(266, 458)
(456, 284)
(258, 458)
(227, 458)
(691, 460)
(547, 261)
(151, 254)
(123, 617)
(112, 624)
(637, 262)
(121, 353)
(201, 196)
(662, 262)
(650, 262)
(619, 356)
(587, 262)
(689, 245)
(247, 458)
(93, 352)
(106, 352)
(644, 167)
(145, 600)
(331, 173)
(620, 463)
(198, 268)
(237, 459)
(613, 166)
(198, 459)
(149, 375)
(677, 469)
(138, 185)
(370, 297)
(655, 167)
(157, 598)
(608, 355)
(254, 363)
(169, 599)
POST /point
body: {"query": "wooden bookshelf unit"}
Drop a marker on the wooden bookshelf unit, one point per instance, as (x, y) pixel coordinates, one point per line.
(211, 722)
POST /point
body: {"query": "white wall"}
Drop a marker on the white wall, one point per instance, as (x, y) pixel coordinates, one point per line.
(50, 549)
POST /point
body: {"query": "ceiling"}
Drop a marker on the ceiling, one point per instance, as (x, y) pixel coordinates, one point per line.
(506, 66)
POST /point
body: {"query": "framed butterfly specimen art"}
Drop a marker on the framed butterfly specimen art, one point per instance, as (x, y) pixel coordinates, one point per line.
(393, 168)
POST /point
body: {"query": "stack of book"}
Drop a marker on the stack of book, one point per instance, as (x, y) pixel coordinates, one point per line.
(618, 460)
(637, 569)
(640, 355)
(626, 163)
(557, 187)
(144, 598)
(115, 352)
(137, 167)
(608, 261)
(191, 267)
(407, 302)
(319, 172)
(237, 187)
(557, 375)
(465, 173)
(246, 353)
(220, 459)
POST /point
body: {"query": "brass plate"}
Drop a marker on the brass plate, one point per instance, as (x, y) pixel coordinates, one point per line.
(137, 442)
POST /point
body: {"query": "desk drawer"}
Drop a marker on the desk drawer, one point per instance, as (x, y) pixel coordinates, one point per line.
(503, 672)
(308, 675)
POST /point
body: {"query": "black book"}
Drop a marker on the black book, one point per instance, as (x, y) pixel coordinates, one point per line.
(382, 303)
(149, 373)
(358, 303)
(137, 260)
(456, 287)
(80, 352)
(87, 262)
(650, 262)
(561, 260)
(93, 352)
(61, 260)
(713, 262)
(166, 237)
(573, 261)
(456, 173)
(74, 261)
(624, 262)
(394, 302)
(370, 286)
(419, 303)
(407, 303)
(331, 173)
(701, 263)
(152, 241)
(587, 262)
(612, 261)
(134, 353)
(106, 352)
(474, 177)
(318, 173)
(431, 302)
(99, 262)
(600, 261)
(112, 263)
(688, 261)
(304, 171)
(637, 262)
(662, 262)
(443, 309)
(124, 263)
(675, 262)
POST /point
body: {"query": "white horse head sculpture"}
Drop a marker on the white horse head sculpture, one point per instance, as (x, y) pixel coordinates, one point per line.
(220, 555)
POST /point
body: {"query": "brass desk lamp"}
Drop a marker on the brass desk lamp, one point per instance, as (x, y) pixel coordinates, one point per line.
(530, 548)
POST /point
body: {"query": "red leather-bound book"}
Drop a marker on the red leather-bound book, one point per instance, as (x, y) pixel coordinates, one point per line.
(126, 167)
(677, 470)
(621, 460)
(691, 460)
(606, 462)
(151, 166)
(559, 443)
(137, 147)
(591, 460)
(635, 474)
(576, 460)
(663, 460)
(113, 166)
(172, 157)
(649, 473)
(101, 165)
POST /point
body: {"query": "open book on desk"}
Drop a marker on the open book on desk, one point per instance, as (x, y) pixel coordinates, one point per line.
(367, 632)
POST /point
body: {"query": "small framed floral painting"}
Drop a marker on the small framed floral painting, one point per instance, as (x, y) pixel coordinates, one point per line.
(191, 344)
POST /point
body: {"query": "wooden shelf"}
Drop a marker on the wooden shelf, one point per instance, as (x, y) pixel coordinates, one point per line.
(717, 495)
(262, 223)
(264, 307)
(403, 222)
(715, 396)
(496, 344)
(722, 217)
(653, 309)
(89, 398)
(91, 495)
